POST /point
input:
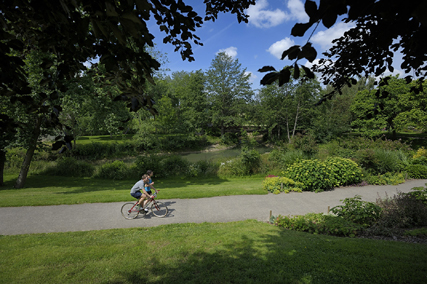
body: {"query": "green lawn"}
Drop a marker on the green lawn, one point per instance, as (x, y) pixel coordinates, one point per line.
(50, 190)
(236, 252)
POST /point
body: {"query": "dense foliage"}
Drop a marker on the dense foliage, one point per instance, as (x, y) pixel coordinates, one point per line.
(385, 217)
(316, 175)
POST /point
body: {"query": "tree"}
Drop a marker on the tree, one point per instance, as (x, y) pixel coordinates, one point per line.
(75, 31)
(414, 114)
(334, 117)
(288, 107)
(228, 90)
(189, 90)
(373, 114)
(380, 27)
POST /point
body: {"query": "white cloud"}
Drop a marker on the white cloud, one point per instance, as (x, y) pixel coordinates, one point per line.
(324, 38)
(230, 51)
(252, 77)
(262, 18)
(278, 47)
(296, 7)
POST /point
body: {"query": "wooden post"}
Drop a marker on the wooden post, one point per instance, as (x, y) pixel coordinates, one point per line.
(270, 214)
(281, 186)
(328, 209)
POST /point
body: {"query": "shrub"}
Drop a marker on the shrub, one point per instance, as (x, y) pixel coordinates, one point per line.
(389, 161)
(357, 211)
(421, 152)
(173, 166)
(230, 138)
(417, 171)
(115, 170)
(419, 161)
(318, 223)
(402, 211)
(71, 167)
(380, 161)
(281, 184)
(233, 167)
(251, 160)
(318, 175)
(96, 151)
(149, 162)
(180, 142)
(284, 158)
(387, 178)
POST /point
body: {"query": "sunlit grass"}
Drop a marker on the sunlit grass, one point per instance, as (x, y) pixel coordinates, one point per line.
(53, 190)
(236, 252)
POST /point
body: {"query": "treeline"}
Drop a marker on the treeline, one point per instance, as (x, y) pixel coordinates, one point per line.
(220, 99)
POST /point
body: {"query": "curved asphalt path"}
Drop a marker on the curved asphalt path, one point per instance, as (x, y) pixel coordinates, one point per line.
(100, 216)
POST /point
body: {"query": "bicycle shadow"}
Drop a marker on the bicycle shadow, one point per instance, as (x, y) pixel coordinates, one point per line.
(150, 215)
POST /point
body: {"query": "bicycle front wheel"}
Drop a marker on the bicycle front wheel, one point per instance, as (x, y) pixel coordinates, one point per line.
(159, 209)
(128, 210)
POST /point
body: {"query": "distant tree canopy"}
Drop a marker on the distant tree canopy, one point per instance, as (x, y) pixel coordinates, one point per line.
(115, 31)
(381, 27)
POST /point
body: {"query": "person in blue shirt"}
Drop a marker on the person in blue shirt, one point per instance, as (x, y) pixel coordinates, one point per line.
(149, 185)
(138, 191)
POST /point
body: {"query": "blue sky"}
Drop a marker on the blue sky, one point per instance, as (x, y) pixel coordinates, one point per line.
(256, 44)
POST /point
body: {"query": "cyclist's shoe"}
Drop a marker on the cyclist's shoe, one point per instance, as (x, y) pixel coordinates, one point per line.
(146, 210)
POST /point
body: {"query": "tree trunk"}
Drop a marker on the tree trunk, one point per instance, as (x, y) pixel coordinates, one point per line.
(28, 156)
(2, 162)
(296, 119)
(287, 128)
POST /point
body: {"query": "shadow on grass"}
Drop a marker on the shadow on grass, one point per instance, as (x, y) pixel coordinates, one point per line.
(284, 258)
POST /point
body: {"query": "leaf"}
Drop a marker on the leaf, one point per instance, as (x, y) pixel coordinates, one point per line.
(131, 16)
(308, 52)
(290, 50)
(285, 76)
(310, 8)
(329, 19)
(296, 71)
(300, 29)
(308, 72)
(266, 68)
(269, 78)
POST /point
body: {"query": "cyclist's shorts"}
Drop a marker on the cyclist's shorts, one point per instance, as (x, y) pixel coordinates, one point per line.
(137, 194)
(149, 192)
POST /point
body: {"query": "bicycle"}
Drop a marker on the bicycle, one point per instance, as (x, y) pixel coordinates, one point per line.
(158, 208)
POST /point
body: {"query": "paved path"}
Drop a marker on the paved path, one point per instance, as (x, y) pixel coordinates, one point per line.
(99, 216)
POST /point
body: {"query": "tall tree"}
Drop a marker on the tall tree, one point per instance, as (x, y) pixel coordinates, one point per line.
(334, 117)
(380, 27)
(75, 31)
(373, 114)
(289, 107)
(188, 89)
(228, 90)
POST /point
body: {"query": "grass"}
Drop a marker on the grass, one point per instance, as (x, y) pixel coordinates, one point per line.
(236, 252)
(51, 190)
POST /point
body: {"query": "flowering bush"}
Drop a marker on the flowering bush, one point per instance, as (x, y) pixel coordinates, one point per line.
(316, 175)
(318, 223)
(281, 184)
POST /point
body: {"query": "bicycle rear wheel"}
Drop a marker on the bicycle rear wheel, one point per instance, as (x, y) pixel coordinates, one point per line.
(159, 209)
(128, 210)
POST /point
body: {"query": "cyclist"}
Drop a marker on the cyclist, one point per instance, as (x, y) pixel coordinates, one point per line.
(149, 185)
(136, 192)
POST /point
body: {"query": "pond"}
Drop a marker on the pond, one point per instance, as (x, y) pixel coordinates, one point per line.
(219, 155)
